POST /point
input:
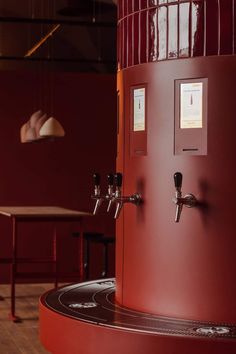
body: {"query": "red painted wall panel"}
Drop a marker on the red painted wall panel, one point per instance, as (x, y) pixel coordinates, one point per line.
(59, 172)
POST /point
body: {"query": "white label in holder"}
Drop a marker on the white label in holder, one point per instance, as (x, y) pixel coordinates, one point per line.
(191, 98)
(139, 109)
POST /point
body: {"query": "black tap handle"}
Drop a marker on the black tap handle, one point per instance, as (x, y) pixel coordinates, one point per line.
(110, 179)
(118, 179)
(178, 177)
(96, 178)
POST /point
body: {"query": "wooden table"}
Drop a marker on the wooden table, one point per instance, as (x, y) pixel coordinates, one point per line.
(52, 214)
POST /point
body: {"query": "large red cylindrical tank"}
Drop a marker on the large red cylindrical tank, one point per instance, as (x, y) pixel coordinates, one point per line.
(185, 269)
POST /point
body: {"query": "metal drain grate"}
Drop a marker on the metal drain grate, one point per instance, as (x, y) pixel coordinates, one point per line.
(94, 301)
(83, 305)
(213, 331)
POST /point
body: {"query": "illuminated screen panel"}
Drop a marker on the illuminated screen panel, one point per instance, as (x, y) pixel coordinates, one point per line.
(191, 104)
(139, 109)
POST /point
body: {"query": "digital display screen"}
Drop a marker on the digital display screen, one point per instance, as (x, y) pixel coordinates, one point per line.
(191, 107)
(139, 109)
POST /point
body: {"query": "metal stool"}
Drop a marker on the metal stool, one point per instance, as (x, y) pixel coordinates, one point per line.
(104, 241)
(89, 237)
(99, 238)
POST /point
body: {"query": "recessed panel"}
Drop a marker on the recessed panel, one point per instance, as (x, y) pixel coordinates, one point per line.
(138, 120)
(191, 97)
(191, 117)
(139, 109)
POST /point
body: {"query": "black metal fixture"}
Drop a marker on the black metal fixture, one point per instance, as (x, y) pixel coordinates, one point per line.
(85, 7)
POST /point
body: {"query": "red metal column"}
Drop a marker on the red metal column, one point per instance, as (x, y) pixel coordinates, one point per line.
(184, 269)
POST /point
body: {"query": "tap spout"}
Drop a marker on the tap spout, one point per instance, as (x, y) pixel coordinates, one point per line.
(120, 201)
(119, 205)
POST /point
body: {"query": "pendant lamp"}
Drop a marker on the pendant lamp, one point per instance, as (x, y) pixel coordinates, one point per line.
(51, 128)
(28, 132)
(39, 127)
(23, 130)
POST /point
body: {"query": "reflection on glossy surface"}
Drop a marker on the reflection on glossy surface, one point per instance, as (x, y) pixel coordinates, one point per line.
(197, 29)
(169, 29)
(153, 53)
(143, 37)
(194, 23)
(153, 2)
(162, 31)
(173, 32)
(184, 30)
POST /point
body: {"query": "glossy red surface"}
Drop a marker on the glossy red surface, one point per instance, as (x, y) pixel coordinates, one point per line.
(175, 29)
(64, 335)
(106, 328)
(163, 267)
(184, 269)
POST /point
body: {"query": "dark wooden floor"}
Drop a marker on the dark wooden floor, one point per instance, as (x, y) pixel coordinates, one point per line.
(21, 338)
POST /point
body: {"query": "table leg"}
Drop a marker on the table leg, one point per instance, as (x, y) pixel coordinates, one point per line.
(12, 314)
(86, 256)
(55, 256)
(81, 253)
(105, 260)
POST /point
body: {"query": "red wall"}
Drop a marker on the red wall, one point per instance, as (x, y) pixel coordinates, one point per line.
(58, 172)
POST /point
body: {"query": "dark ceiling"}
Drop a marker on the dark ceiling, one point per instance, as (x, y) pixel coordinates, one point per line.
(84, 41)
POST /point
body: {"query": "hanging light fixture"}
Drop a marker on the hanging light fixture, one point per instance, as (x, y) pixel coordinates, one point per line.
(28, 132)
(51, 129)
(23, 130)
(39, 126)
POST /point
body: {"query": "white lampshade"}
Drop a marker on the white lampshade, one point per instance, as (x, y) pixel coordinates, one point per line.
(30, 135)
(40, 122)
(23, 130)
(34, 118)
(51, 128)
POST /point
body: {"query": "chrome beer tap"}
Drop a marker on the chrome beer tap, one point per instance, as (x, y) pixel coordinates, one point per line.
(97, 193)
(121, 200)
(110, 192)
(117, 197)
(189, 200)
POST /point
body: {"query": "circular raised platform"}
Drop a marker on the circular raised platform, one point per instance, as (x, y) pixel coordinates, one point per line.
(84, 319)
